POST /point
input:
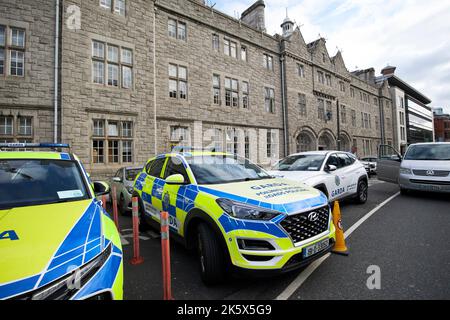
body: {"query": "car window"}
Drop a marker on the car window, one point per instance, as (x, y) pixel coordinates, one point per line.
(156, 168)
(175, 166)
(130, 174)
(119, 173)
(333, 160)
(37, 182)
(303, 162)
(148, 166)
(432, 152)
(345, 160)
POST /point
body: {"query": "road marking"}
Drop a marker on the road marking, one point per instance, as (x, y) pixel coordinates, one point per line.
(123, 241)
(302, 277)
(375, 182)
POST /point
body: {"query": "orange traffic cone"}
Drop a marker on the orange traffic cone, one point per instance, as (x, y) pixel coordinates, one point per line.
(339, 246)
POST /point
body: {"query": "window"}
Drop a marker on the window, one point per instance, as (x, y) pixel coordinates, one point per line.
(119, 69)
(329, 114)
(229, 48)
(105, 4)
(354, 118)
(25, 126)
(377, 124)
(246, 144)
(218, 140)
(324, 59)
(342, 86)
(268, 62)
(216, 90)
(180, 135)
(302, 104)
(228, 92)
(245, 100)
(178, 82)
(328, 79)
(17, 59)
(226, 47)
(119, 7)
(177, 29)
(320, 77)
(269, 100)
(243, 53)
(271, 143)
(215, 42)
(6, 125)
(235, 93)
(17, 38)
(343, 114)
(175, 166)
(156, 168)
(113, 145)
(2, 61)
(2, 35)
(301, 70)
(375, 101)
(233, 48)
(321, 109)
(13, 49)
(352, 92)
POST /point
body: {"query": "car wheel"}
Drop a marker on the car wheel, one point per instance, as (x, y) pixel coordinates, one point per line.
(143, 225)
(362, 192)
(211, 257)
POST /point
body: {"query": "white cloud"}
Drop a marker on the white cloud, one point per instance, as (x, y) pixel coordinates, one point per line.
(410, 34)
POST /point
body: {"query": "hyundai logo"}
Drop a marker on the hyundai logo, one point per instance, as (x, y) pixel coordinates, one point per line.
(430, 173)
(313, 216)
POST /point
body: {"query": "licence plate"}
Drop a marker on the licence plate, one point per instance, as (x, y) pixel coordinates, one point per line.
(316, 248)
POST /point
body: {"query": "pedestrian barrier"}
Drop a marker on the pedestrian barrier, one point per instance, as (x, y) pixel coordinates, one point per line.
(339, 246)
(115, 211)
(137, 259)
(165, 246)
(104, 201)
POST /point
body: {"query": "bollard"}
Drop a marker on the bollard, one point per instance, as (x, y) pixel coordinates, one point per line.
(104, 201)
(115, 211)
(165, 247)
(137, 259)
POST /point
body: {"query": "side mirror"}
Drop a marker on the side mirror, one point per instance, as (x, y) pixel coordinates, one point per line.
(175, 179)
(101, 188)
(117, 179)
(331, 168)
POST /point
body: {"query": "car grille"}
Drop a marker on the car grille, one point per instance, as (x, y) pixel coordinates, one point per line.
(436, 173)
(438, 183)
(300, 227)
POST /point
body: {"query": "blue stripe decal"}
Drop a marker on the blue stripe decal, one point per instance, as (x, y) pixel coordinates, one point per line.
(66, 257)
(65, 156)
(117, 250)
(103, 279)
(92, 253)
(17, 287)
(61, 270)
(93, 244)
(230, 224)
(95, 231)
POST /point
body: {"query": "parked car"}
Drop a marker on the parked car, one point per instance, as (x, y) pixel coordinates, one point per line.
(234, 213)
(123, 182)
(370, 164)
(337, 174)
(425, 167)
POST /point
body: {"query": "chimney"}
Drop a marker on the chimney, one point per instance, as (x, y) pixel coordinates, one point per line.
(388, 70)
(255, 16)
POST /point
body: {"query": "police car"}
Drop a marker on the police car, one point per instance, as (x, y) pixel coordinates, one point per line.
(337, 174)
(56, 241)
(234, 213)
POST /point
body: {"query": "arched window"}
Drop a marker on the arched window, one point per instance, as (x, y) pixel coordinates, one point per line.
(326, 142)
(305, 142)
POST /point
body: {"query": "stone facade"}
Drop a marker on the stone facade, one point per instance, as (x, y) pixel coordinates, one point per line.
(182, 59)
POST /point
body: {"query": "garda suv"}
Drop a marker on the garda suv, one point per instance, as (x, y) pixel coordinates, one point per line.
(234, 213)
(56, 241)
(337, 174)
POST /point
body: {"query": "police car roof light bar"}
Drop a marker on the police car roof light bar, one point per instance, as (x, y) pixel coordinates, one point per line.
(182, 149)
(17, 145)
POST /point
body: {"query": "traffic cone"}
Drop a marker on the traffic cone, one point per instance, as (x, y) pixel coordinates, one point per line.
(339, 246)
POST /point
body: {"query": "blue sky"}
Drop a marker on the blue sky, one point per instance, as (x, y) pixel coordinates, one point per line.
(413, 35)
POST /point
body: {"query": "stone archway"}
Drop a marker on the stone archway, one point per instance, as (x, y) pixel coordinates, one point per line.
(345, 142)
(305, 142)
(326, 141)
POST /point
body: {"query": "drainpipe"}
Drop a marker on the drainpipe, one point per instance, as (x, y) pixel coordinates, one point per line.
(154, 78)
(284, 106)
(56, 74)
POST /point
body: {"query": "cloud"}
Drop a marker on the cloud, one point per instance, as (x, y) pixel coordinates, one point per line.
(410, 34)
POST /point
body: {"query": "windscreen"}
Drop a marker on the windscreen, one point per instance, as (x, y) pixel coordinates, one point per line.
(130, 174)
(432, 152)
(35, 182)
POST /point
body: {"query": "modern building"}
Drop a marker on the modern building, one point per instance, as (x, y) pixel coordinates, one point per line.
(441, 125)
(121, 80)
(413, 117)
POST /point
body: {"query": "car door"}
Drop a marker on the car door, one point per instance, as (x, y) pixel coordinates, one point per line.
(352, 171)
(153, 188)
(116, 185)
(336, 181)
(174, 200)
(388, 164)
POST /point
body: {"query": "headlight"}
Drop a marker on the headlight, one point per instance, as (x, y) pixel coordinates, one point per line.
(244, 211)
(130, 189)
(68, 286)
(405, 171)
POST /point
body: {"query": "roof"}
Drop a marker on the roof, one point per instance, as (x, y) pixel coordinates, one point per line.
(411, 91)
(35, 155)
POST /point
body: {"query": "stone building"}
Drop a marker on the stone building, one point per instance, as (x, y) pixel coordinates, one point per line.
(135, 78)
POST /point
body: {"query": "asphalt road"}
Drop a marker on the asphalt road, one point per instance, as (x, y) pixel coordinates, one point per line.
(406, 239)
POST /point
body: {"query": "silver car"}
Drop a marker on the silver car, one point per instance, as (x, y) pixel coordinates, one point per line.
(123, 183)
(425, 167)
(370, 164)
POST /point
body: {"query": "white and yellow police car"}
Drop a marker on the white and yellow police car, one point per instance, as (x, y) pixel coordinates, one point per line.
(234, 213)
(337, 174)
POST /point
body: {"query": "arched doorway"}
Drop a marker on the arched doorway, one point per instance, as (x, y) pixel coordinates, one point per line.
(305, 142)
(345, 143)
(326, 142)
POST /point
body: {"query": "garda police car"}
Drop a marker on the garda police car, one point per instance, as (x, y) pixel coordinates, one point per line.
(234, 213)
(337, 174)
(56, 241)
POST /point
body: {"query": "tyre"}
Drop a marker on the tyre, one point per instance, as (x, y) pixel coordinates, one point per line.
(362, 192)
(211, 256)
(143, 225)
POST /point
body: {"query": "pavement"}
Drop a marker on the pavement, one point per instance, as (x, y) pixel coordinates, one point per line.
(405, 239)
